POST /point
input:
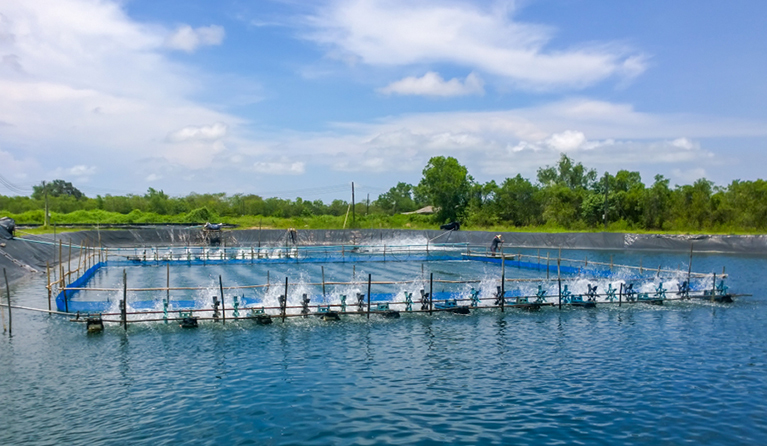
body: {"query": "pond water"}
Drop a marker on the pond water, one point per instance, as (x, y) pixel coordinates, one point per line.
(686, 372)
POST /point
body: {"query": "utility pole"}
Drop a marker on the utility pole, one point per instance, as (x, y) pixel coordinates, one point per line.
(353, 216)
(604, 216)
(45, 191)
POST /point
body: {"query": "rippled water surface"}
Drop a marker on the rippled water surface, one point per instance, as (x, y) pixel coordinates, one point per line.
(684, 373)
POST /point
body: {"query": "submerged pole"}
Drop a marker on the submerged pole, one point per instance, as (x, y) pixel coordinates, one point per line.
(69, 262)
(503, 263)
(620, 295)
(285, 302)
(369, 280)
(689, 267)
(324, 296)
(559, 279)
(8, 293)
(124, 309)
(503, 292)
(547, 265)
(223, 307)
(48, 274)
(431, 291)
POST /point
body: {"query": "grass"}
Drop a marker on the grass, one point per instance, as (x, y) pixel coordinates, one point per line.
(372, 221)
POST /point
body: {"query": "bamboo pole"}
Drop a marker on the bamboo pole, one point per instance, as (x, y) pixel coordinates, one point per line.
(79, 257)
(167, 281)
(503, 292)
(370, 276)
(620, 296)
(559, 277)
(547, 265)
(223, 307)
(503, 263)
(69, 262)
(324, 296)
(61, 263)
(431, 291)
(689, 267)
(8, 294)
(124, 309)
(285, 304)
(48, 274)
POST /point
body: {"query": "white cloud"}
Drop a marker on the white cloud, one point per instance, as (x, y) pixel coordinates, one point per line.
(432, 84)
(684, 143)
(81, 170)
(566, 141)
(688, 176)
(400, 32)
(200, 133)
(152, 177)
(78, 174)
(188, 39)
(281, 167)
(96, 85)
(507, 142)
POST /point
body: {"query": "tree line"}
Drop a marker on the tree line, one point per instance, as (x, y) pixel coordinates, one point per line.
(566, 195)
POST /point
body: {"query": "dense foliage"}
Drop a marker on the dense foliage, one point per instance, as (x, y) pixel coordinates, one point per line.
(565, 196)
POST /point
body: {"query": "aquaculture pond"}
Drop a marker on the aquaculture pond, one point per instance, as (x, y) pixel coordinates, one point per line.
(683, 372)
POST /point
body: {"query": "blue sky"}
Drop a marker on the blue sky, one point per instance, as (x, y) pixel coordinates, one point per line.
(290, 98)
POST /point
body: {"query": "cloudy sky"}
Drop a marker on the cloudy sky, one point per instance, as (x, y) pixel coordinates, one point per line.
(299, 98)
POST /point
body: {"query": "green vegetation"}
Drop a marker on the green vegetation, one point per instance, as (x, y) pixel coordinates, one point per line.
(565, 197)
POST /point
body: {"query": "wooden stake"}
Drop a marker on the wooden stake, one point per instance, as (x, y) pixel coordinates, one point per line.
(689, 267)
(620, 296)
(48, 273)
(285, 304)
(80, 258)
(69, 262)
(324, 297)
(370, 276)
(503, 263)
(547, 265)
(8, 293)
(124, 309)
(503, 293)
(223, 307)
(559, 278)
(431, 291)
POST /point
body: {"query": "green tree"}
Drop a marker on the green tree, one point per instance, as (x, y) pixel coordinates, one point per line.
(398, 199)
(56, 188)
(573, 176)
(158, 201)
(517, 201)
(657, 202)
(446, 184)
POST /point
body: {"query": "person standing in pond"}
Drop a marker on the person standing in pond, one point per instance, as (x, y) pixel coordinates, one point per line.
(497, 242)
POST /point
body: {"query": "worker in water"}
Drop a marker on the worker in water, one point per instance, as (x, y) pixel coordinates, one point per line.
(497, 242)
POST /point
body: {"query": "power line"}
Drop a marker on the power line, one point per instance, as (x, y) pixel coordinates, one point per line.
(12, 187)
